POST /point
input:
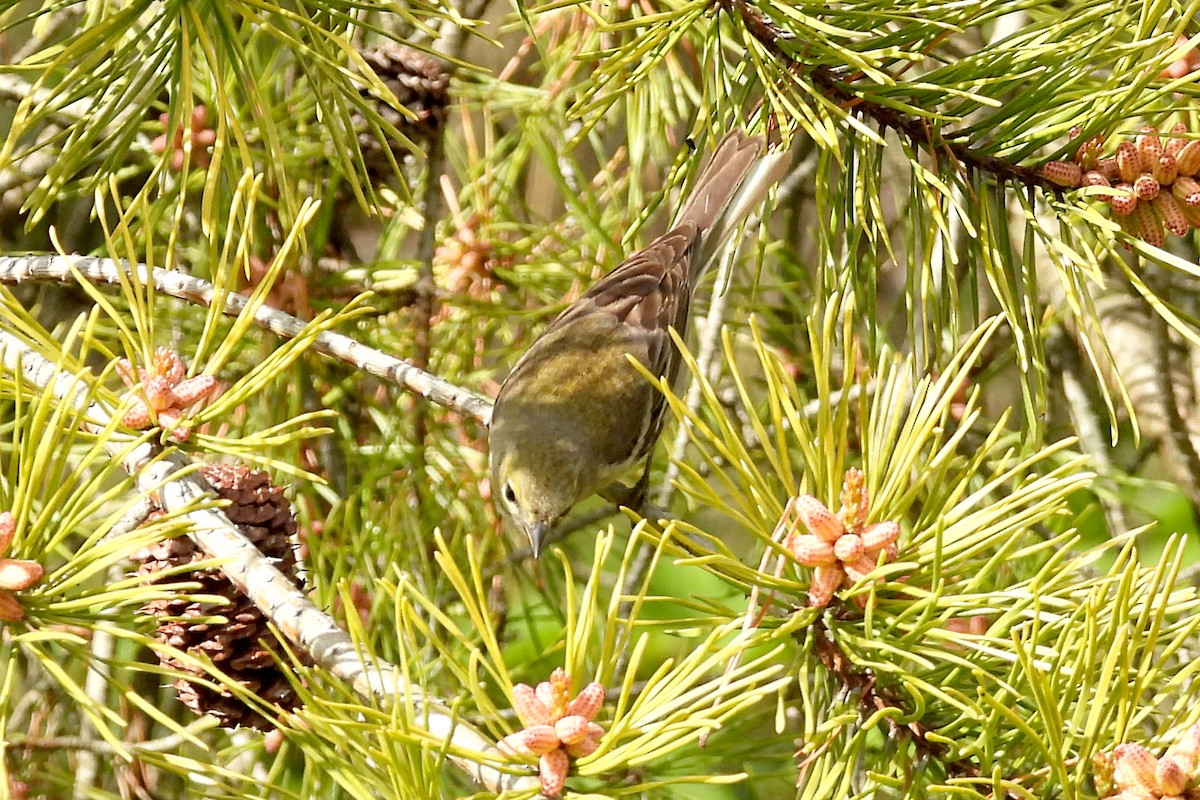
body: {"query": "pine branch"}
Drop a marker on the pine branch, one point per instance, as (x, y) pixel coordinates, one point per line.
(96, 685)
(917, 130)
(873, 698)
(16, 89)
(19, 269)
(1175, 388)
(180, 489)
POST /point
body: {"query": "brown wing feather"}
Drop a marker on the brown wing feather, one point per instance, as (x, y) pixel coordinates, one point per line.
(641, 288)
(649, 292)
(719, 180)
(652, 288)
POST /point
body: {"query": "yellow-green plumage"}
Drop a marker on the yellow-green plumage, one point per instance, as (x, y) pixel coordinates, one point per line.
(574, 414)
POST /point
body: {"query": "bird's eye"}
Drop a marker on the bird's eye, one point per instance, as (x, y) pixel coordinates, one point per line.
(510, 494)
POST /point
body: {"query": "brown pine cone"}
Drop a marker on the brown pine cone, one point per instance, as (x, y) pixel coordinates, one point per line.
(421, 84)
(240, 647)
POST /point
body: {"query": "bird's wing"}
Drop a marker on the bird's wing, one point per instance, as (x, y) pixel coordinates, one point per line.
(648, 292)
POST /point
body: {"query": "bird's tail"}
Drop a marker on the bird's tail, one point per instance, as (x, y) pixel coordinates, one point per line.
(733, 181)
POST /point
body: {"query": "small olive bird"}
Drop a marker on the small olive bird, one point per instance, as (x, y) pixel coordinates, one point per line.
(574, 415)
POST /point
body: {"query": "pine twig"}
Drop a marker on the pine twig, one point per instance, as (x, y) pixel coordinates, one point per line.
(13, 87)
(1141, 368)
(1179, 437)
(1060, 351)
(873, 698)
(135, 517)
(801, 170)
(99, 747)
(706, 352)
(18, 269)
(426, 289)
(22, 175)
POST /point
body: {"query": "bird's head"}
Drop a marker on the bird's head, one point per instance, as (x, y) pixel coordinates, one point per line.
(531, 500)
(549, 435)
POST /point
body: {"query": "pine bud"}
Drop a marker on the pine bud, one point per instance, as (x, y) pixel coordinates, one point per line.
(1186, 750)
(1171, 213)
(137, 417)
(1176, 143)
(560, 683)
(1150, 229)
(1063, 173)
(1193, 215)
(587, 703)
(856, 501)
(529, 708)
(10, 609)
(1145, 187)
(1146, 794)
(1089, 152)
(1187, 189)
(187, 392)
(825, 581)
(571, 729)
(859, 569)
(813, 552)
(8, 529)
(1188, 160)
(589, 744)
(1130, 226)
(545, 693)
(819, 520)
(513, 745)
(880, 535)
(18, 574)
(1128, 163)
(1149, 147)
(1094, 178)
(1123, 200)
(1134, 768)
(538, 739)
(1108, 168)
(158, 392)
(1170, 777)
(1165, 169)
(849, 548)
(1102, 771)
(552, 768)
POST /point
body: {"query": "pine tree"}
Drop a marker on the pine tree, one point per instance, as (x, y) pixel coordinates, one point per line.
(922, 523)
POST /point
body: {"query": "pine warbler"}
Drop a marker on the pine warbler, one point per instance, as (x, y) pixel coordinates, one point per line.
(574, 415)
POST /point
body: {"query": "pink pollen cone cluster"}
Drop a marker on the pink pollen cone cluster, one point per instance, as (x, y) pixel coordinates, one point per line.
(165, 394)
(1137, 775)
(199, 135)
(841, 547)
(1152, 184)
(557, 727)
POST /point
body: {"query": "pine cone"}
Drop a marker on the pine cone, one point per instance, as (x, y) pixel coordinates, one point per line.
(242, 646)
(421, 84)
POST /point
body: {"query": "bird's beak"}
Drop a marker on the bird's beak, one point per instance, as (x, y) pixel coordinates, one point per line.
(537, 536)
